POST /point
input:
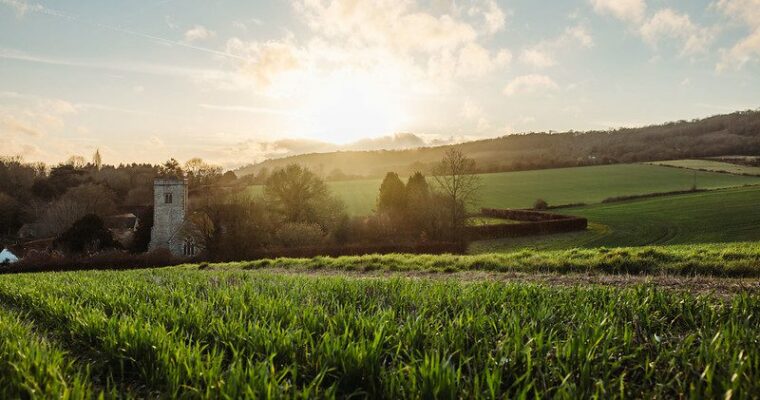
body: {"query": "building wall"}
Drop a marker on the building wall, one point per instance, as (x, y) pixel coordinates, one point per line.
(168, 217)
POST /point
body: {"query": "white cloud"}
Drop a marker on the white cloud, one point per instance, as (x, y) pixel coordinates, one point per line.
(198, 32)
(542, 55)
(530, 84)
(624, 10)
(494, 17)
(537, 57)
(667, 23)
(747, 13)
(21, 6)
(264, 61)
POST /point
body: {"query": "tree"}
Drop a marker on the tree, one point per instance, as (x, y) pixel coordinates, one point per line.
(418, 203)
(76, 161)
(10, 214)
(87, 234)
(171, 169)
(97, 161)
(455, 176)
(392, 197)
(296, 194)
(201, 173)
(75, 204)
(230, 226)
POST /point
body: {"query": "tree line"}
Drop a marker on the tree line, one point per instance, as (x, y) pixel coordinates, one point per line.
(296, 209)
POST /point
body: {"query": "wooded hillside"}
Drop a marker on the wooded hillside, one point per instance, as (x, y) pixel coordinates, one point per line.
(731, 134)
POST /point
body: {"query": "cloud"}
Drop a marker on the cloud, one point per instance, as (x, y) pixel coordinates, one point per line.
(474, 113)
(264, 61)
(10, 125)
(541, 55)
(20, 6)
(248, 151)
(747, 49)
(198, 32)
(624, 10)
(494, 17)
(536, 57)
(667, 23)
(530, 84)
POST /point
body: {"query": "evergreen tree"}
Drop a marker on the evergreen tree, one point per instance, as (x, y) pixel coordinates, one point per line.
(392, 197)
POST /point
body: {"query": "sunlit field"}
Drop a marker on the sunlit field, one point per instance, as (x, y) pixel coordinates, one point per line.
(232, 333)
(728, 215)
(558, 186)
(709, 165)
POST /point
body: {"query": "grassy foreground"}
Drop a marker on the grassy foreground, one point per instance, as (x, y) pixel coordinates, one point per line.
(232, 333)
(558, 186)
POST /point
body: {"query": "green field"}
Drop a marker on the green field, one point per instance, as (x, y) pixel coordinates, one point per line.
(232, 333)
(558, 186)
(721, 216)
(709, 165)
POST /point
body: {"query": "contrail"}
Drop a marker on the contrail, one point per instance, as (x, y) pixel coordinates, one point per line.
(39, 8)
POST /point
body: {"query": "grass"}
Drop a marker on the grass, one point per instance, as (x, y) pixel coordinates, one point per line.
(233, 333)
(723, 216)
(710, 165)
(735, 260)
(558, 186)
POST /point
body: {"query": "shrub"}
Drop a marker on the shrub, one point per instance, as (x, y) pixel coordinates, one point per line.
(540, 204)
(298, 234)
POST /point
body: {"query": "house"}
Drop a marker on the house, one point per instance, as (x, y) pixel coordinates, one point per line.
(6, 257)
(171, 228)
(122, 227)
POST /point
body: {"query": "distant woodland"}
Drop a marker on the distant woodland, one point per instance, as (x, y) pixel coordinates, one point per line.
(731, 134)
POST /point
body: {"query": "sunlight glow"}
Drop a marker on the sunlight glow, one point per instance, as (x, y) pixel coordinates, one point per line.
(349, 105)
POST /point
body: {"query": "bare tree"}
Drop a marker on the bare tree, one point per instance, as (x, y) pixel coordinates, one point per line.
(456, 178)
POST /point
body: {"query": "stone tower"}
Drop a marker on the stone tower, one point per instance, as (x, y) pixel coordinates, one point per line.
(169, 209)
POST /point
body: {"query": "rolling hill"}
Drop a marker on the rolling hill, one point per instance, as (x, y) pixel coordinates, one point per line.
(735, 134)
(558, 186)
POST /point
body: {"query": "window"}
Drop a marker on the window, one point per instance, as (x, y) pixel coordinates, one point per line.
(167, 198)
(188, 249)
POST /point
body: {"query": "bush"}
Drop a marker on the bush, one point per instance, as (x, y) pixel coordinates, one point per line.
(86, 235)
(298, 234)
(540, 204)
(41, 261)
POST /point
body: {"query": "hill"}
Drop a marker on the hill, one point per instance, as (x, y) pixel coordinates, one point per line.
(558, 186)
(735, 134)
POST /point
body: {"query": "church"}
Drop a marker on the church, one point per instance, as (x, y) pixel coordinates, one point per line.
(171, 228)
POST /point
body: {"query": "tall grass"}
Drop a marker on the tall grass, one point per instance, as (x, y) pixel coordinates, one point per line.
(188, 333)
(734, 260)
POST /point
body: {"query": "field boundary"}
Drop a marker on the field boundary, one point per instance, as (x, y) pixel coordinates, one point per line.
(533, 223)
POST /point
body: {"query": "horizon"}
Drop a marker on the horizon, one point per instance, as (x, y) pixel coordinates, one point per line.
(250, 82)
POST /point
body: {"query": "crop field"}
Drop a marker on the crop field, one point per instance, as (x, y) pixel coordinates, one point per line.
(710, 165)
(558, 186)
(240, 333)
(729, 215)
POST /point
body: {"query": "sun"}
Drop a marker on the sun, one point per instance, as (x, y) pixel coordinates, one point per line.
(350, 105)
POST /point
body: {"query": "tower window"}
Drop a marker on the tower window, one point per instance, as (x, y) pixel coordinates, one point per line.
(167, 198)
(188, 249)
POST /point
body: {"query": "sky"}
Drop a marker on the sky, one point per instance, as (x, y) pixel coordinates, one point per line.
(235, 82)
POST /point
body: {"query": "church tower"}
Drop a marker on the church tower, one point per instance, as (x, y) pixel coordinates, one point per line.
(169, 211)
